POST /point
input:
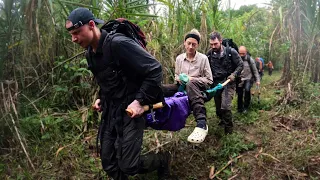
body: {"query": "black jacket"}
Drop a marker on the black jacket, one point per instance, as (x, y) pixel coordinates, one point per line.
(222, 65)
(125, 71)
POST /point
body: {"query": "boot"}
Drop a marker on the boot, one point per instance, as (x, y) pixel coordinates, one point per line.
(227, 118)
(164, 169)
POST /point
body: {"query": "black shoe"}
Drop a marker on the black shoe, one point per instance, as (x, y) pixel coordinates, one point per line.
(240, 110)
(221, 123)
(164, 170)
(228, 130)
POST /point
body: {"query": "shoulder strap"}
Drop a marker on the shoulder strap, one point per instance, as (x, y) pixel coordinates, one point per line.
(107, 42)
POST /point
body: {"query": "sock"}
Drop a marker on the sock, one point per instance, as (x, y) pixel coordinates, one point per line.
(201, 123)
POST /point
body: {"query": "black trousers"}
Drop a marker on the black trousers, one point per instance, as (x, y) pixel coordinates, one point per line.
(270, 71)
(261, 74)
(244, 95)
(196, 99)
(121, 140)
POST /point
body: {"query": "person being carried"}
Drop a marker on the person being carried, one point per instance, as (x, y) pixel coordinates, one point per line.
(248, 75)
(225, 64)
(192, 71)
(129, 77)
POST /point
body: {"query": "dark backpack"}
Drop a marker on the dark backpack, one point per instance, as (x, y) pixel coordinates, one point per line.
(126, 27)
(228, 43)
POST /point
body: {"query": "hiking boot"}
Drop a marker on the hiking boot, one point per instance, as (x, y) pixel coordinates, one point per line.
(164, 169)
(228, 130)
(221, 123)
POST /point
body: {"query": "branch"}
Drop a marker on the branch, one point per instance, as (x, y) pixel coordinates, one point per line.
(22, 145)
(224, 167)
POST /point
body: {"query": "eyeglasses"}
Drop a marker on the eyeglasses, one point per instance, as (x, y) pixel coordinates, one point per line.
(75, 26)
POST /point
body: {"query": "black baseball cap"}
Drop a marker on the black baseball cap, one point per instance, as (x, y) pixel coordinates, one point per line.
(80, 17)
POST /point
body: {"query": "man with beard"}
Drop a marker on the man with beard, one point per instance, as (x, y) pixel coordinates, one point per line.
(225, 64)
(248, 75)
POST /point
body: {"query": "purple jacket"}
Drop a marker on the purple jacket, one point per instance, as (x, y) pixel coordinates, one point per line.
(173, 116)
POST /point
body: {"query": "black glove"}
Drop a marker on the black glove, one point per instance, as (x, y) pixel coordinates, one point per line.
(231, 77)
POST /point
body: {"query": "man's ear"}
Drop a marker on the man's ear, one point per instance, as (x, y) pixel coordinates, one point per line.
(91, 24)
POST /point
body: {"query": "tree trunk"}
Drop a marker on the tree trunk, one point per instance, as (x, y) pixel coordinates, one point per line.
(286, 74)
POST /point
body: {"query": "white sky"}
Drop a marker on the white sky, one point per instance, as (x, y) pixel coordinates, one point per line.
(235, 4)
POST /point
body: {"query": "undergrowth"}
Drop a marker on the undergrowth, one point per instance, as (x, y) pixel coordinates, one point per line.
(272, 141)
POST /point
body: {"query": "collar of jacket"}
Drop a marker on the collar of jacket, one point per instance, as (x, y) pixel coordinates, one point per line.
(196, 57)
(101, 41)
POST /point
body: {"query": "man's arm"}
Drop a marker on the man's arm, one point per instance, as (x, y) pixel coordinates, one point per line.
(255, 70)
(139, 61)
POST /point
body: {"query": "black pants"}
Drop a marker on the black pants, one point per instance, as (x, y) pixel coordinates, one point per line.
(121, 141)
(270, 71)
(261, 74)
(244, 95)
(196, 99)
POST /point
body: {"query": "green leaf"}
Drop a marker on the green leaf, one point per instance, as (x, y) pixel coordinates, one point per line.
(227, 171)
(140, 6)
(58, 120)
(140, 15)
(167, 3)
(133, 2)
(310, 131)
(78, 4)
(46, 136)
(61, 89)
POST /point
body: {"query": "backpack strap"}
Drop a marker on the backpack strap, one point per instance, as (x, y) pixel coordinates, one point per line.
(250, 65)
(228, 51)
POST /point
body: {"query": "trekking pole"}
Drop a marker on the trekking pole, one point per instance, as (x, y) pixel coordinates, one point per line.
(146, 108)
(258, 88)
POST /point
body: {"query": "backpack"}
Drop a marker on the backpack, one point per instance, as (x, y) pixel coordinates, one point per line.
(262, 60)
(126, 27)
(229, 43)
(133, 31)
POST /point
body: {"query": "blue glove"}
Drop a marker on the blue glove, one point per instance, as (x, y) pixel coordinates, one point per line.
(184, 78)
(213, 91)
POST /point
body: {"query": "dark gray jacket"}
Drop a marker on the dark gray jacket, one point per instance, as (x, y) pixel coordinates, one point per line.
(224, 63)
(249, 69)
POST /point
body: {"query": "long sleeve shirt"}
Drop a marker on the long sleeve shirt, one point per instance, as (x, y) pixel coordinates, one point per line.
(198, 68)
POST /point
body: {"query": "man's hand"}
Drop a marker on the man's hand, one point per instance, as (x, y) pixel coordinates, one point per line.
(190, 78)
(258, 83)
(231, 77)
(97, 106)
(137, 109)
